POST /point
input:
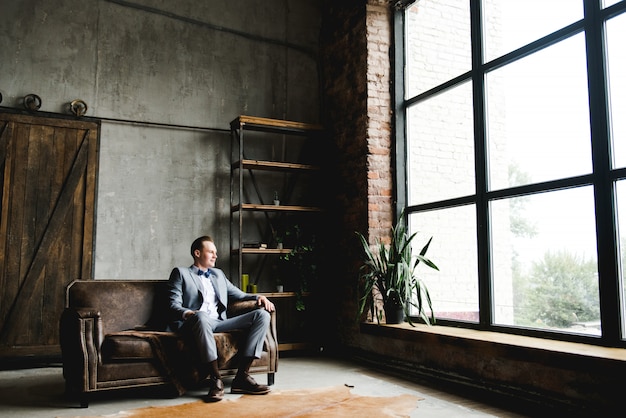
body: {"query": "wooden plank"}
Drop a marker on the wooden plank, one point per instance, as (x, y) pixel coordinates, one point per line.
(276, 123)
(4, 198)
(38, 209)
(74, 234)
(282, 294)
(14, 214)
(4, 137)
(466, 336)
(28, 120)
(294, 346)
(32, 350)
(276, 208)
(89, 222)
(265, 251)
(63, 147)
(273, 165)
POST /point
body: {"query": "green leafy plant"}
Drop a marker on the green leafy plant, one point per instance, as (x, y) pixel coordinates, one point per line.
(388, 274)
(301, 261)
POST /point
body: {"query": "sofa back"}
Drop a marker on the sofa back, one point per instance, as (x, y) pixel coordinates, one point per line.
(123, 304)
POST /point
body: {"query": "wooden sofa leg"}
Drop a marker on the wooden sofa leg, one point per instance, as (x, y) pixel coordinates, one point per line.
(270, 379)
(84, 400)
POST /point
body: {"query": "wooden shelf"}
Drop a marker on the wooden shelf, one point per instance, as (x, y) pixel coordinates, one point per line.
(282, 294)
(272, 165)
(252, 122)
(261, 251)
(294, 346)
(274, 208)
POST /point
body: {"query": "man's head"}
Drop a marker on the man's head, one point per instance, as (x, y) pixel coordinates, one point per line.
(204, 252)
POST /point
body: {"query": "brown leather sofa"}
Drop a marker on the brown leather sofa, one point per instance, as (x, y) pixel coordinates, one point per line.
(111, 338)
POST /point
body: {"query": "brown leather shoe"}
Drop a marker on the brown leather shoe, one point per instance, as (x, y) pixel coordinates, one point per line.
(248, 386)
(216, 390)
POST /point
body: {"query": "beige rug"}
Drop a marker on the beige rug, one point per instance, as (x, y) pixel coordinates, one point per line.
(327, 402)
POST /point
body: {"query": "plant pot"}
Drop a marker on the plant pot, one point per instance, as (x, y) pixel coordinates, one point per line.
(279, 288)
(394, 314)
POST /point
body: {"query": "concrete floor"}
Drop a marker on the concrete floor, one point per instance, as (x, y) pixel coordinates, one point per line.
(39, 392)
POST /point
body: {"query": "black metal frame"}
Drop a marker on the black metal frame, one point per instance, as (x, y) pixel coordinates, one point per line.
(602, 177)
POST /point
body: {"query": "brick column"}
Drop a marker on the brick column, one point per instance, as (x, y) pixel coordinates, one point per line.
(379, 113)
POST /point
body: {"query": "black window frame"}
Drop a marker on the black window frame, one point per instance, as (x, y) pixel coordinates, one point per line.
(602, 178)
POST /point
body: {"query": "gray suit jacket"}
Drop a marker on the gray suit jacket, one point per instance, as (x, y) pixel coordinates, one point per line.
(183, 290)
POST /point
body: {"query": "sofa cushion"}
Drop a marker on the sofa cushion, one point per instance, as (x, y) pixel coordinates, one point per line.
(139, 346)
(125, 347)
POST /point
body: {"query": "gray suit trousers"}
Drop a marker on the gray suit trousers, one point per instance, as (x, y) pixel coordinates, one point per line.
(200, 329)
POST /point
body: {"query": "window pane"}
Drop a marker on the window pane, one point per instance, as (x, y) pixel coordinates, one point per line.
(607, 3)
(438, 47)
(511, 24)
(538, 117)
(440, 147)
(615, 34)
(621, 216)
(454, 288)
(545, 273)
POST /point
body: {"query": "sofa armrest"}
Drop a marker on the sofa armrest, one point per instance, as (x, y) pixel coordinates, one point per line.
(85, 313)
(272, 343)
(81, 336)
(241, 307)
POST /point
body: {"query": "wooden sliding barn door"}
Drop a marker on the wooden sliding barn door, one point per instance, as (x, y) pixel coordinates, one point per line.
(48, 173)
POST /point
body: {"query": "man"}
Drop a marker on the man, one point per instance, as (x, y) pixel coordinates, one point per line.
(198, 298)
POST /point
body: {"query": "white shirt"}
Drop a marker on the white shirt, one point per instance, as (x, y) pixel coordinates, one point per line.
(209, 300)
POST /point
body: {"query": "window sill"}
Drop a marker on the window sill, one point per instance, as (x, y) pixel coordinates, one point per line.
(420, 331)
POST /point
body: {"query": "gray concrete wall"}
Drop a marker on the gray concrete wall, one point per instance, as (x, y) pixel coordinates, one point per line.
(193, 64)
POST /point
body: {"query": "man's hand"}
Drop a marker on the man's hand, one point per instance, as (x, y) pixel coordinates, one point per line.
(265, 303)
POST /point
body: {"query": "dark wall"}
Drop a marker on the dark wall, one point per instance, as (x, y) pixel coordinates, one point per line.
(343, 52)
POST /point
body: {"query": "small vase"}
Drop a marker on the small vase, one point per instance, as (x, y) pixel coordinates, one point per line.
(279, 288)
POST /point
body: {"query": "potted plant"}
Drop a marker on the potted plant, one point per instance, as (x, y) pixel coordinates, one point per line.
(388, 276)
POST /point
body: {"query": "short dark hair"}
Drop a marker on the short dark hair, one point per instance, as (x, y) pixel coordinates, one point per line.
(198, 243)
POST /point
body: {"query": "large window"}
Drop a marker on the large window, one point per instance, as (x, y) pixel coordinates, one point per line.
(513, 137)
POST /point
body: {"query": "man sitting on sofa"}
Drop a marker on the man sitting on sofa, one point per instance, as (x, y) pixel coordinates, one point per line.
(198, 297)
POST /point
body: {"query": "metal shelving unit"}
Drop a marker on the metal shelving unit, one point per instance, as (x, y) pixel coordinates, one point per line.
(254, 217)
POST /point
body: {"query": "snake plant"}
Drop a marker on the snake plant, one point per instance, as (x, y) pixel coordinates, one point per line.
(388, 274)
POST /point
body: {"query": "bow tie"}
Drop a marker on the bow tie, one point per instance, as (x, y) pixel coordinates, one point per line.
(204, 273)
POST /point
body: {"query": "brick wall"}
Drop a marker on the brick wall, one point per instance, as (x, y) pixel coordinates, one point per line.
(379, 129)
